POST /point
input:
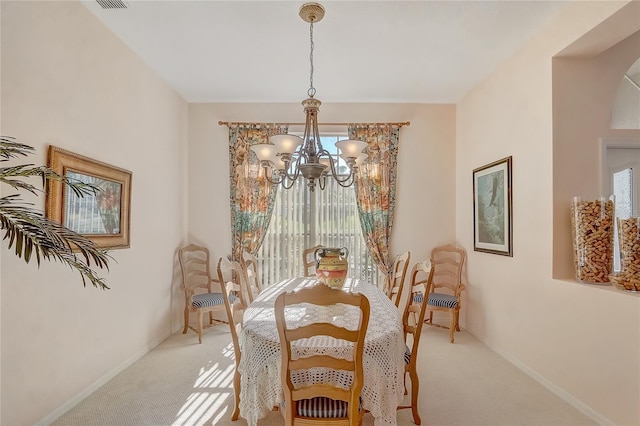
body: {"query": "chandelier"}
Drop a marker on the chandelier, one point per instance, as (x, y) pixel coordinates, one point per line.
(287, 157)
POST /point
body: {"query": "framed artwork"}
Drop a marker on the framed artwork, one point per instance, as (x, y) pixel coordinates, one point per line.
(103, 217)
(492, 213)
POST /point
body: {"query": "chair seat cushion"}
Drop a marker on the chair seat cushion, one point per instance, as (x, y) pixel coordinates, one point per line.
(323, 407)
(407, 355)
(207, 299)
(418, 297)
(442, 300)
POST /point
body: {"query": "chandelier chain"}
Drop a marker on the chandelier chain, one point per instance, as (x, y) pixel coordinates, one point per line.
(312, 91)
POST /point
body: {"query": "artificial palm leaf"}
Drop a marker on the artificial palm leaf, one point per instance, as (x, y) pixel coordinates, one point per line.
(30, 233)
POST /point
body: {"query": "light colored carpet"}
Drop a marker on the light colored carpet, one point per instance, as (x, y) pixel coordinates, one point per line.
(184, 383)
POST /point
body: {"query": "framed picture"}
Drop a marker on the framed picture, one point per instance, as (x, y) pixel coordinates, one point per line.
(103, 217)
(492, 215)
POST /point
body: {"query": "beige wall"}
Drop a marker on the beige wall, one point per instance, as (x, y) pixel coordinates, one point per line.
(582, 341)
(68, 81)
(426, 186)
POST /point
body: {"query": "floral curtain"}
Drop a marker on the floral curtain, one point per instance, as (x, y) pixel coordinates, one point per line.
(375, 187)
(252, 196)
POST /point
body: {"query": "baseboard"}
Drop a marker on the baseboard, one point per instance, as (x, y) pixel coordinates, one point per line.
(559, 392)
(57, 413)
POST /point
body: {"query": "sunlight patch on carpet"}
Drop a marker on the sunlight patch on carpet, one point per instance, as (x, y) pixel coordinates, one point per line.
(209, 401)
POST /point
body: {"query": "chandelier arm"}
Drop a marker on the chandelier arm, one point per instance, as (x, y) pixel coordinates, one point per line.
(323, 152)
(334, 172)
(342, 181)
(345, 184)
(291, 182)
(294, 176)
(316, 137)
(322, 182)
(270, 179)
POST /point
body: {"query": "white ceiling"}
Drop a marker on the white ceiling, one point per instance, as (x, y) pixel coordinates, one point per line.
(365, 51)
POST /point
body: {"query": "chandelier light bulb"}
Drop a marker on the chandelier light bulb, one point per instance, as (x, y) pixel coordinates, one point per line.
(351, 148)
(265, 152)
(286, 144)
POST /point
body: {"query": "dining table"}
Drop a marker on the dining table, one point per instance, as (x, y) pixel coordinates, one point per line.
(383, 354)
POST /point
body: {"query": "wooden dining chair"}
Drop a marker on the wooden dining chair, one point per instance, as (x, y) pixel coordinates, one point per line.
(233, 272)
(251, 275)
(202, 294)
(227, 275)
(447, 262)
(309, 261)
(421, 279)
(321, 403)
(400, 266)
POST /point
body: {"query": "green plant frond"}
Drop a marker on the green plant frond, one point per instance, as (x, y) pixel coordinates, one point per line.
(78, 187)
(81, 188)
(20, 170)
(8, 175)
(13, 200)
(9, 148)
(30, 231)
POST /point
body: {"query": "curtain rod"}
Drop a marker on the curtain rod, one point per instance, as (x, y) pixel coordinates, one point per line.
(235, 123)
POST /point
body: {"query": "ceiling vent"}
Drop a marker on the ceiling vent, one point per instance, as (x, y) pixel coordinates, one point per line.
(112, 4)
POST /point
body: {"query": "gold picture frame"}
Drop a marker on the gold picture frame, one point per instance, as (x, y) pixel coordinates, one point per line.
(103, 217)
(492, 208)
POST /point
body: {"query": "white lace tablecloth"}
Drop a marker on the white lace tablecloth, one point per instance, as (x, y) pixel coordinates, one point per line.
(383, 358)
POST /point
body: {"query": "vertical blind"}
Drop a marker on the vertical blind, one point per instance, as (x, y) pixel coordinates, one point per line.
(82, 212)
(303, 219)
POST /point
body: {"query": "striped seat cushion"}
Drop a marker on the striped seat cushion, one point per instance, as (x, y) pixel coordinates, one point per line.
(418, 297)
(407, 355)
(323, 407)
(442, 300)
(207, 299)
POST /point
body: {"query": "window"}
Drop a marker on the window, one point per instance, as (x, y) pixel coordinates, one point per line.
(302, 219)
(621, 162)
(623, 193)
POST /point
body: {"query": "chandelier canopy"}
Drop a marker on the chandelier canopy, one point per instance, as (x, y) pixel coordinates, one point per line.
(286, 157)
